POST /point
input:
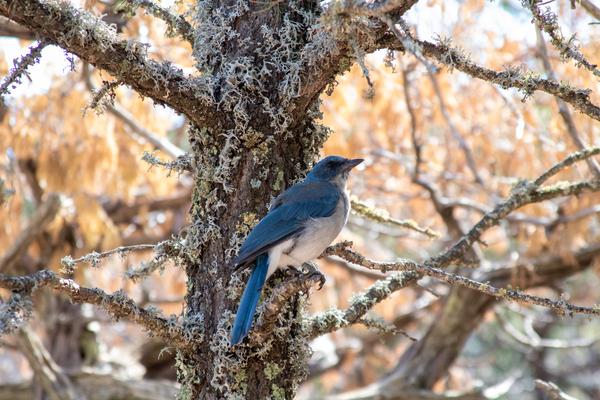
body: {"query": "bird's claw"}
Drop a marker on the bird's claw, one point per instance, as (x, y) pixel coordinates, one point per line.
(312, 270)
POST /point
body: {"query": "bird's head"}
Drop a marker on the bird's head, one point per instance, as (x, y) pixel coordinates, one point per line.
(334, 169)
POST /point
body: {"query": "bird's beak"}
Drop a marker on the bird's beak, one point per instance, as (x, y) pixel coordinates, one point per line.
(351, 163)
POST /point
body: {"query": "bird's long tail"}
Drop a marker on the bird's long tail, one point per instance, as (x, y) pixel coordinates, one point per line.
(247, 308)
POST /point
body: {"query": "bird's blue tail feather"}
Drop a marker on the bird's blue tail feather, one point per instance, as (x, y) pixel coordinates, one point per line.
(247, 308)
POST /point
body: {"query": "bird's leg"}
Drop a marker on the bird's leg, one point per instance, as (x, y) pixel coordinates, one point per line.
(292, 271)
(311, 269)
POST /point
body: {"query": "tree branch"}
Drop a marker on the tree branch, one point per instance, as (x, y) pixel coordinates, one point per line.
(523, 194)
(367, 8)
(524, 80)
(591, 8)
(94, 257)
(563, 110)
(94, 41)
(552, 391)
(271, 310)
(117, 304)
(548, 22)
(97, 386)
(54, 381)
(335, 319)
(42, 217)
(526, 194)
(538, 342)
(379, 215)
(175, 22)
(121, 212)
(20, 68)
(559, 306)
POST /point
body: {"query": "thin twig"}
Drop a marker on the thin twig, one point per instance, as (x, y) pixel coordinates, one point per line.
(381, 327)
(563, 110)
(35, 227)
(56, 383)
(442, 207)
(175, 22)
(537, 342)
(94, 257)
(552, 391)
(380, 215)
(548, 22)
(20, 66)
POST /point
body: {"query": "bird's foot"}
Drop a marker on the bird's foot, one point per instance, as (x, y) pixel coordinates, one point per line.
(310, 269)
(293, 272)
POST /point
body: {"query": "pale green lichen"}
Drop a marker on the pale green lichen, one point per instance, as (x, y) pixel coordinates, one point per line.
(272, 370)
(277, 393)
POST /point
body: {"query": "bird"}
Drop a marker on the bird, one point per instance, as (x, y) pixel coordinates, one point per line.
(300, 224)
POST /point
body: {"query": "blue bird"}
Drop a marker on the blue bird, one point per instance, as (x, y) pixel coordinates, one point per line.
(300, 224)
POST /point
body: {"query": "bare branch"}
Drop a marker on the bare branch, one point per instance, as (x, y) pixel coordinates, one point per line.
(40, 220)
(56, 384)
(20, 68)
(537, 342)
(591, 8)
(548, 22)
(380, 215)
(121, 212)
(462, 143)
(117, 304)
(570, 160)
(442, 207)
(552, 391)
(102, 386)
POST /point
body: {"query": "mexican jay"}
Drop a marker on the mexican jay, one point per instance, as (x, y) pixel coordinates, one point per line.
(300, 224)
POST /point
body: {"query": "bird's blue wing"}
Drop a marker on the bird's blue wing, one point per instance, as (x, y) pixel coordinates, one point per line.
(287, 216)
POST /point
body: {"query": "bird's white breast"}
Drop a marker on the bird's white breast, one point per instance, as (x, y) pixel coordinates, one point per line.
(318, 233)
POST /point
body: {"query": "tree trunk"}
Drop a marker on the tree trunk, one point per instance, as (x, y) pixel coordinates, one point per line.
(266, 140)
